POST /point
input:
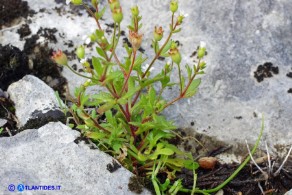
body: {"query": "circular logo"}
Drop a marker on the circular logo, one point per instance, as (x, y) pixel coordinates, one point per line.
(20, 187)
(11, 188)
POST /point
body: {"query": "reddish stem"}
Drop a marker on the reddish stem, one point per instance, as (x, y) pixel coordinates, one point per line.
(129, 73)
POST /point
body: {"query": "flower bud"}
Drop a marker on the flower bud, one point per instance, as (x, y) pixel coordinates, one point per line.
(114, 4)
(173, 6)
(174, 53)
(60, 58)
(158, 33)
(135, 39)
(77, 2)
(80, 52)
(103, 43)
(202, 65)
(181, 17)
(117, 14)
(202, 50)
(135, 11)
(87, 83)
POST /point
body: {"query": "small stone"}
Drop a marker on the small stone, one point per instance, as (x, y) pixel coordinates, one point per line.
(207, 162)
(35, 103)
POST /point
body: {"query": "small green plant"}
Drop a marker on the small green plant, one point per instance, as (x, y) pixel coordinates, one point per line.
(125, 118)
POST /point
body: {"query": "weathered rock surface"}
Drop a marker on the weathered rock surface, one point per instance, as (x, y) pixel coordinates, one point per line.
(49, 156)
(2, 122)
(35, 103)
(288, 193)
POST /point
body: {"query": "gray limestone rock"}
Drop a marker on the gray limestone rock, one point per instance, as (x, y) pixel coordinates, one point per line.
(49, 156)
(35, 102)
(2, 122)
(288, 193)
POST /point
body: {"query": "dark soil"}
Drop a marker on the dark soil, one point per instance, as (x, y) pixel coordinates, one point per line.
(265, 71)
(24, 31)
(246, 182)
(14, 65)
(112, 167)
(34, 59)
(7, 112)
(11, 10)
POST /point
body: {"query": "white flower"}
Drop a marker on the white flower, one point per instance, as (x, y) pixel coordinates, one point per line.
(68, 1)
(202, 44)
(145, 67)
(84, 60)
(86, 39)
(182, 13)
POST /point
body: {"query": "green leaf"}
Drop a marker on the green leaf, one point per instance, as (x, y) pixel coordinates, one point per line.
(192, 88)
(113, 76)
(99, 14)
(84, 99)
(182, 81)
(71, 125)
(152, 96)
(99, 33)
(190, 164)
(161, 151)
(138, 62)
(95, 135)
(165, 81)
(140, 25)
(107, 106)
(128, 49)
(142, 157)
(165, 151)
(189, 70)
(165, 55)
(101, 97)
(176, 31)
(93, 114)
(155, 46)
(100, 52)
(97, 66)
(166, 48)
(128, 95)
(148, 82)
(131, 27)
(117, 146)
(81, 113)
(109, 117)
(165, 185)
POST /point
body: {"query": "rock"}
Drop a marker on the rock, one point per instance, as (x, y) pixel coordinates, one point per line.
(289, 192)
(35, 103)
(2, 122)
(3, 94)
(49, 156)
